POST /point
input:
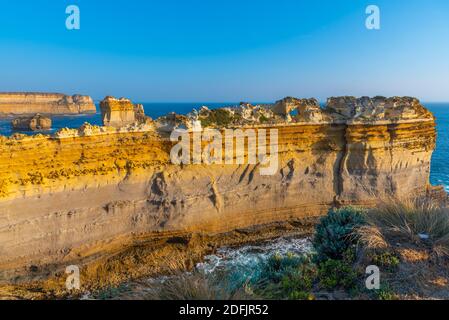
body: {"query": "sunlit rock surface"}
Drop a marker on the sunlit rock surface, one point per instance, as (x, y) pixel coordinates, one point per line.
(122, 112)
(44, 103)
(79, 193)
(34, 123)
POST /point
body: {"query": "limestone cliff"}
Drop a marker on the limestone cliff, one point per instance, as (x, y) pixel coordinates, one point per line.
(117, 112)
(44, 103)
(121, 112)
(66, 198)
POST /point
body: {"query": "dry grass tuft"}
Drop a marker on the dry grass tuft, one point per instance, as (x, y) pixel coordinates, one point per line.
(415, 222)
(194, 286)
(372, 237)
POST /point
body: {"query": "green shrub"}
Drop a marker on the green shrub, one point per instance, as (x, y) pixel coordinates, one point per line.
(333, 274)
(385, 293)
(278, 266)
(387, 260)
(290, 277)
(218, 117)
(334, 235)
(263, 119)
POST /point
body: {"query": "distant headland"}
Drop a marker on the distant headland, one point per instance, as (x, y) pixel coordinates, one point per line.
(30, 103)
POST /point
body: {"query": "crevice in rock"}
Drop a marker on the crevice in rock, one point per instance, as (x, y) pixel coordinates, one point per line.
(339, 167)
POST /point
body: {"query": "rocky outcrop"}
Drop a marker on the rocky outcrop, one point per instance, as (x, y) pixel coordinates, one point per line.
(35, 123)
(78, 195)
(367, 109)
(308, 110)
(121, 112)
(44, 103)
(139, 114)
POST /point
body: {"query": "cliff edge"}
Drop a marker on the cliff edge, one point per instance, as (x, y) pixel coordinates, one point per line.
(73, 196)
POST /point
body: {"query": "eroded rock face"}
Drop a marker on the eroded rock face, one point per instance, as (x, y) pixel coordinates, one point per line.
(71, 196)
(139, 114)
(44, 103)
(122, 112)
(377, 108)
(173, 121)
(308, 110)
(35, 123)
(117, 112)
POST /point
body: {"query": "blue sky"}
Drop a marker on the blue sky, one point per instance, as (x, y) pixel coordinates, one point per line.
(215, 51)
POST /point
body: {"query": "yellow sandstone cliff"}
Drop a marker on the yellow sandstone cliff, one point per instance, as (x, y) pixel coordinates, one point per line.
(64, 198)
(44, 103)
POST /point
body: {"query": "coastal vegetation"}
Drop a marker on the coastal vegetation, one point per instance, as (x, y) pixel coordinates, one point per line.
(407, 241)
(218, 117)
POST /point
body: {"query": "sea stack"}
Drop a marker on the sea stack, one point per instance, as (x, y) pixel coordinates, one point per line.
(14, 103)
(121, 112)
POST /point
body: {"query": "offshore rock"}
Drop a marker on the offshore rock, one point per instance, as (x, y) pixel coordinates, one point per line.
(121, 112)
(38, 122)
(117, 112)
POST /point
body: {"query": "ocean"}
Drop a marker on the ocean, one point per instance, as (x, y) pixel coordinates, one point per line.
(439, 170)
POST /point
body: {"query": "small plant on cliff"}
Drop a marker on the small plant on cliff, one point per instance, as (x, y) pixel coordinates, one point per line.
(385, 293)
(389, 261)
(218, 117)
(263, 119)
(287, 277)
(337, 274)
(334, 235)
(277, 266)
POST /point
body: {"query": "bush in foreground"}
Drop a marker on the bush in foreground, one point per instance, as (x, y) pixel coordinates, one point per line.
(334, 235)
(381, 236)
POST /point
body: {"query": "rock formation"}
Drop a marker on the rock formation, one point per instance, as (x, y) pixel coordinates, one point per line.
(367, 109)
(44, 103)
(308, 109)
(71, 197)
(121, 112)
(35, 123)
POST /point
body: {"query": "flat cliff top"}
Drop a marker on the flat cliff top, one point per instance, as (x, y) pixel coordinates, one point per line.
(31, 103)
(32, 93)
(293, 111)
(290, 111)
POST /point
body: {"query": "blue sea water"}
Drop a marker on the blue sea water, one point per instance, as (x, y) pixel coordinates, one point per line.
(439, 171)
(154, 110)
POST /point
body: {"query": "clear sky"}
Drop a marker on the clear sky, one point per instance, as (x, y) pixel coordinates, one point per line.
(227, 50)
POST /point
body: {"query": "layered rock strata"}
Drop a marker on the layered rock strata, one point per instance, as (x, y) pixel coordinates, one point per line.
(122, 112)
(44, 103)
(67, 198)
